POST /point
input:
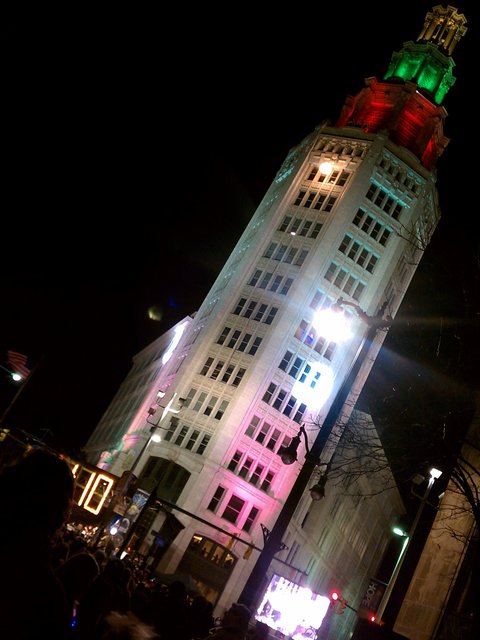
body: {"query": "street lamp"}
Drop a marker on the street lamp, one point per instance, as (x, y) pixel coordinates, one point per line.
(289, 456)
(156, 426)
(254, 585)
(16, 377)
(154, 437)
(434, 475)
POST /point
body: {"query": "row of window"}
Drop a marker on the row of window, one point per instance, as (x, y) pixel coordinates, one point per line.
(244, 466)
(361, 255)
(334, 177)
(371, 226)
(282, 400)
(223, 372)
(384, 201)
(187, 437)
(345, 281)
(258, 311)
(266, 280)
(315, 200)
(307, 334)
(297, 368)
(399, 174)
(300, 227)
(266, 434)
(209, 405)
(284, 253)
(239, 340)
(212, 551)
(234, 511)
(341, 148)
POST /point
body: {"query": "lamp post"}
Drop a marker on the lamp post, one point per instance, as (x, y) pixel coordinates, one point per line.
(154, 437)
(434, 475)
(254, 585)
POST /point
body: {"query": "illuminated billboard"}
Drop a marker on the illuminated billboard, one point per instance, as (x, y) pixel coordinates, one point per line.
(291, 609)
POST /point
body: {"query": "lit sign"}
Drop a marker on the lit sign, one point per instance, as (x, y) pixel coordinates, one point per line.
(91, 488)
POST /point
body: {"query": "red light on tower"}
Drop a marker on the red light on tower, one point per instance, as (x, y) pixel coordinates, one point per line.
(372, 618)
(334, 596)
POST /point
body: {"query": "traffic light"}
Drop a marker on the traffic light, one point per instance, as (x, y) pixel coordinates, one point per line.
(335, 598)
(342, 603)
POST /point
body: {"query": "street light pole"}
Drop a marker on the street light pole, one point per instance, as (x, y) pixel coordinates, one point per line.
(434, 474)
(253, 588)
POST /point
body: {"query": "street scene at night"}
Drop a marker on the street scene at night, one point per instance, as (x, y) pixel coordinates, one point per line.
(239, 392)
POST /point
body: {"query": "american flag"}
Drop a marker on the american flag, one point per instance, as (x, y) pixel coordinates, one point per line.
(18, 363)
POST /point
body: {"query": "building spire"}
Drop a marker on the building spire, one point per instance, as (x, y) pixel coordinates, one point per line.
(443, 27)
(407, 105)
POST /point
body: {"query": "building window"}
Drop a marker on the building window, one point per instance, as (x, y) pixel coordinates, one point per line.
(250, 430)
(271, 315)
(244, 471)
(240, 305)
(218, 367)
(273, 440)
(203, 444)
(238, 377)
(254, 348)
(206, 366)
(247, 525)
(211, 403)
(223, 336)
(233, 509)
(192, 440)
(267, 481)
(181, 436)
(215, 501)
(233, 464)
(263, 432)
(221, 410)
(285, 361)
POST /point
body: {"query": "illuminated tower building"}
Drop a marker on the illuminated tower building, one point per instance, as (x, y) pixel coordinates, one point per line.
(348, 215)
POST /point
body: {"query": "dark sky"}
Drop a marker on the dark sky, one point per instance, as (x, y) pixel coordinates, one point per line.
(134, 149)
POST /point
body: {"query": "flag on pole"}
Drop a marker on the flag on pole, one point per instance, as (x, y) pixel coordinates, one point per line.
(18, 363)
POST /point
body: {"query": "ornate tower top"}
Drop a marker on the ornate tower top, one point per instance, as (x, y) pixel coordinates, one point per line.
(427, 62)
(407, 104)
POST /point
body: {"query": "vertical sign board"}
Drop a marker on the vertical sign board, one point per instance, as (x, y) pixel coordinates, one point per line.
(372, 598)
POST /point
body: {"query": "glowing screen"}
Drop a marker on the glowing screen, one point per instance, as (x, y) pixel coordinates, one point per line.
(295, 611)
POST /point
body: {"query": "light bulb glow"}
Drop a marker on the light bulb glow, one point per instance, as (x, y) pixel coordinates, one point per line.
(332, 325)
(326, 167)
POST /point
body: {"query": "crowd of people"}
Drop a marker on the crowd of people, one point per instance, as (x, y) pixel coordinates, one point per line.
(53, 585)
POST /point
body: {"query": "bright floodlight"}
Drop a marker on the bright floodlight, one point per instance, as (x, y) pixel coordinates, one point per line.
(156, 437)
(17, 377)
(435, 473)
(399, 532)
(331, 325)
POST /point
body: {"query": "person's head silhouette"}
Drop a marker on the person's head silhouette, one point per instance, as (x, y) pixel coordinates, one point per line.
(37, 494)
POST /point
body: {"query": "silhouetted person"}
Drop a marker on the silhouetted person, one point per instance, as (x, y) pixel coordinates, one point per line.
(233, 625)
(36, 498)
(170, 611)
(200, 617)
(76, 575)
(108, 592)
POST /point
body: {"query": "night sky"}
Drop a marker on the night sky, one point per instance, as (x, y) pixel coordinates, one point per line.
(135, 148)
